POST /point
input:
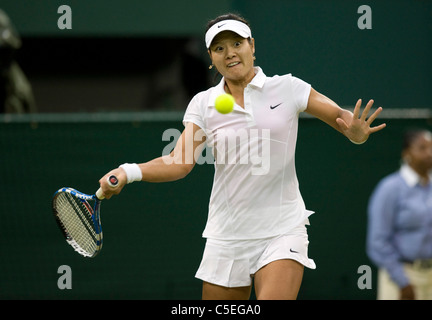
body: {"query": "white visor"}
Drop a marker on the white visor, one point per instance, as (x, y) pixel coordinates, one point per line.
(227, 25)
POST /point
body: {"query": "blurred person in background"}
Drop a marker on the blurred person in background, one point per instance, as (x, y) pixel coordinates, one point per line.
(16, 95)
(399, 239)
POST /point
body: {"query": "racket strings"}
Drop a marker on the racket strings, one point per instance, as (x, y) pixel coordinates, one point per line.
(75, 217)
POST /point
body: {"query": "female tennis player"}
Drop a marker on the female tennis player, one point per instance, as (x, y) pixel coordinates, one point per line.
(256, 226)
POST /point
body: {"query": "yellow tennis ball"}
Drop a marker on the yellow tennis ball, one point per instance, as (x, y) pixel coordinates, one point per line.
(224, 103)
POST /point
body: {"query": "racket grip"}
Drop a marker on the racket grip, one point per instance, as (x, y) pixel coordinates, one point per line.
(112, 182)
(99, 194)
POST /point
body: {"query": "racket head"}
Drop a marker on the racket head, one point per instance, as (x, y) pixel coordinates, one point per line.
(78, 221)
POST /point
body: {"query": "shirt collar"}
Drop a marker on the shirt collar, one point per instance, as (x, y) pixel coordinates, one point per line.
(257, 81)
(410, 176)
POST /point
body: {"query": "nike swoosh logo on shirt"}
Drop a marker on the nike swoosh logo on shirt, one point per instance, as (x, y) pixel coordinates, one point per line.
(274, 107)
(291, 250)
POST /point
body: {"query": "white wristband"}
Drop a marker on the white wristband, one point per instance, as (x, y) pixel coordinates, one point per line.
(133, 172)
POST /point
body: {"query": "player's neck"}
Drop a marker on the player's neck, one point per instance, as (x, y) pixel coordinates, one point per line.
(236, 88)
(237, 93)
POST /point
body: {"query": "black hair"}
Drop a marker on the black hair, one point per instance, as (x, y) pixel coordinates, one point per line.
(410, 136)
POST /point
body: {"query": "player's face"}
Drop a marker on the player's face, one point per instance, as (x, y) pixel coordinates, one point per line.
(420, 153)
(233, 56)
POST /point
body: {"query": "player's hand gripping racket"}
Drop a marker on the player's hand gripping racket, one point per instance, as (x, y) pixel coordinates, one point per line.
(78, 221)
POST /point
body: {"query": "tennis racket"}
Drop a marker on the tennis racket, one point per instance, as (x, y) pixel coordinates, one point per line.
(79, 222)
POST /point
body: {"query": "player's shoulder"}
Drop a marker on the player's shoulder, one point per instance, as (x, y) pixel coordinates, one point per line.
(202, 96)
(287, 79)
(280, 77)
(204, 93)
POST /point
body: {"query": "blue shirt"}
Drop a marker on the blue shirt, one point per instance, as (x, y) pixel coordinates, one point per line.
(400, 222)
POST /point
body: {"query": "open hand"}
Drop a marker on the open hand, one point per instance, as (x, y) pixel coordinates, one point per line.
(358, 129)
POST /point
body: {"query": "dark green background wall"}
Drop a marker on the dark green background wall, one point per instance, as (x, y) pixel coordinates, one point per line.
(153, 242)
(319, 41)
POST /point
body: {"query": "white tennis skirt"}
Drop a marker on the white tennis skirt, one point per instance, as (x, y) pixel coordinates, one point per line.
(233, 263)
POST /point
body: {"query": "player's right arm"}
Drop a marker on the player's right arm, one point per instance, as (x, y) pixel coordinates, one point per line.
(166, 168)
(354, 126)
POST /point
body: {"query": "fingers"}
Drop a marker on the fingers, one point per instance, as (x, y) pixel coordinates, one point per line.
(372, 118)
(374, 115)
(357, 109)
(366, 110)
(342, 124)
(377, 128)
(107, 189)
(103, 182)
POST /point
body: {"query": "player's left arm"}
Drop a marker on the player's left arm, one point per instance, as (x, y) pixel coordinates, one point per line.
(354, 126)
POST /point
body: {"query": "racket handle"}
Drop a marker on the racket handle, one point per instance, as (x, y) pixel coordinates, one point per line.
(112, 182)
(99, 194)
